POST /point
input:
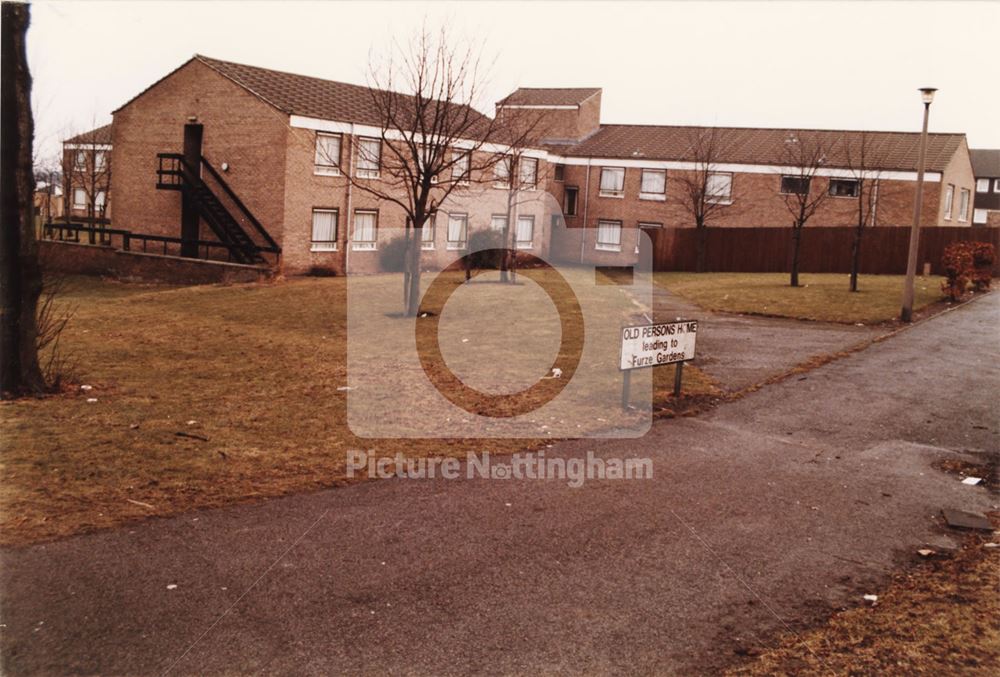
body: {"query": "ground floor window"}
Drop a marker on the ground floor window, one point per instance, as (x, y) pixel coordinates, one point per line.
(979, 216)
(569, 203)
(498, 222)
(79, 198)
(458, 229)
(324, 230)
(609, 236)
(525, 232)
(427, 233)
(365, 228)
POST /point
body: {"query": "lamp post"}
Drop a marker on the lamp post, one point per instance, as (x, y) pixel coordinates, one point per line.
(906, 314)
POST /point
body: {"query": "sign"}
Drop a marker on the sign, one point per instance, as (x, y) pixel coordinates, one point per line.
(653, 345)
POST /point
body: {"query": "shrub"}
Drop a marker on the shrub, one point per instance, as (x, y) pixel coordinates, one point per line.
(984, 256)
(485, 252)
(392, 255)
(965, 263)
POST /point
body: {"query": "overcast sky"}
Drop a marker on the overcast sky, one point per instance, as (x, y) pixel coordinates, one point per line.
(843, 65)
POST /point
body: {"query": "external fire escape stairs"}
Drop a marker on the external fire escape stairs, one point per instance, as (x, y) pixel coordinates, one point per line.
(234, 225)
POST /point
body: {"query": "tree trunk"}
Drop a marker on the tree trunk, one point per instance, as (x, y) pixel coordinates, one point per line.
(413, 290)
(21, 282)
(796, 242)
(701, 259)
(855, 258)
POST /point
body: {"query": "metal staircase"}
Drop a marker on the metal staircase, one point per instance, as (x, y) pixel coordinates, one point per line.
(230, 220)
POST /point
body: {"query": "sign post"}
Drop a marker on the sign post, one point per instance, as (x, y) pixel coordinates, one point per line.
(654, 345)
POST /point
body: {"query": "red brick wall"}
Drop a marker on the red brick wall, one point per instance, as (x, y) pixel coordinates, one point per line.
(240, 130)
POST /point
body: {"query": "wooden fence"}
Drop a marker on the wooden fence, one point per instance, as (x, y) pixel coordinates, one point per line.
(824, 250)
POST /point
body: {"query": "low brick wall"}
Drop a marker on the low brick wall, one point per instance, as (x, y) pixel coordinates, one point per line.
(87, 259)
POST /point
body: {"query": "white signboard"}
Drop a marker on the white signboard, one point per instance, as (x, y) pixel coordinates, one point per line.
(651, 345)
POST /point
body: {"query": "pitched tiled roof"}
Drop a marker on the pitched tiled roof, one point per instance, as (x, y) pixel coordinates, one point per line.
(744, 145)
(985, 162)
(548, 96)
(101, 135)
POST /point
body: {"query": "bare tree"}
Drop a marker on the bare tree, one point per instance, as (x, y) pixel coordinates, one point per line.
(87, 168)
(705, 192)
(21, 275)
(48, 186)
(863, 159)
(431, 137)
(804, 155)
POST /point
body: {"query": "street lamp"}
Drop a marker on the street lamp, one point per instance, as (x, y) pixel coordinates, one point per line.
(906, 314)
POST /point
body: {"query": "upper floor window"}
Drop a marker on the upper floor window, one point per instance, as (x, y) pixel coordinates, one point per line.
(525, 231)
(100, 160)
(369, 158)
(460, 168)
(982, 185)
(612, 182)
(365, 229)
(719, 187)
(963, 204)
(324, 230)
(609, 236)
(559, 173)
(458, 230)
(844, 187)
(100, 200)
(569, 200)
(795, 185)
(528, 173)
(327, 159)
(653, 185)
(949, 200)
(501, 173)
(80, 160)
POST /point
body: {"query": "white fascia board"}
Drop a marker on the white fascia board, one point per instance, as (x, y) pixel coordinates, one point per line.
(540, 106)
(87, 146)
(932, 177)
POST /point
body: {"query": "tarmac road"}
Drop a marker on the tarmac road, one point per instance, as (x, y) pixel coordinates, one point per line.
(761, 516)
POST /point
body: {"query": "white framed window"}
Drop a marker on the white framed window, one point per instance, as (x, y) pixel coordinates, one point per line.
(653, 185)
(996, 185)
(949, 201)
(100, 200)
(460, 168)
(458, 231)
(427, 233)
(327, 161)
(612, 182)
(719, 188)
(844, 187)
(528, 173)
(79, 198)
(609, 236)
(982, 185)
(100, 160)
(525, 232)
(979, 216)
(365, 229)
(498, 222)
(795, 185)
(324, 230)
(80, 160)
(963, 205)
(369, 158)
(501, 173)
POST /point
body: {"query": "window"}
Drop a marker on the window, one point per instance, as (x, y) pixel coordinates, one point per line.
(501, 173)
(460, 168)
(795, 185)
(369, 158)
(100, 160)
(653, 185)
(458, 228)
(525, 231)
(844, 187)
(559, 172)
(982, 185)
(100, 200)
(719, 188)
(609, 236)
(498, 222)
(996, 185)
(324, 231)
(979, 216)
(365, 228)
(612, 182)
(963, 204)
(80, 161)
(427, 233)
(327, 160)
(949, 199)
(569, 201)
(529, 173)
(79, 198)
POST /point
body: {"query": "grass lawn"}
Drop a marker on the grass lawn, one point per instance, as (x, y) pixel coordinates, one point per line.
(251, 375)
(821, 296)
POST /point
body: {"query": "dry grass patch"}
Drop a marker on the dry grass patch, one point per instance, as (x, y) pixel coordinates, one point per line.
(822, 296)
(252, 369)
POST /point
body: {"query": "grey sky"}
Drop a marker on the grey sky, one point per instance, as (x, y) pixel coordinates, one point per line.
(809, 64)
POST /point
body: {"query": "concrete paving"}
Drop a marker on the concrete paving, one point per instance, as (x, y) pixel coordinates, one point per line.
(761, 516)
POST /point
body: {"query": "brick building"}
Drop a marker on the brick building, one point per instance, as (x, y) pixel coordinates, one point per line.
(86, 170)
(277, 147)
(986, 166)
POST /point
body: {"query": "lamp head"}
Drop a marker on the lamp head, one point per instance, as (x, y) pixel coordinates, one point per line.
(927, 94)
